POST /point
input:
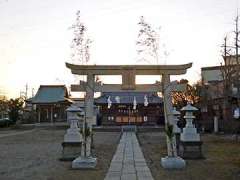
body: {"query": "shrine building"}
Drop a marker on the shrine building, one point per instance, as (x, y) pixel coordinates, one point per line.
(51, 102)
(138, 108)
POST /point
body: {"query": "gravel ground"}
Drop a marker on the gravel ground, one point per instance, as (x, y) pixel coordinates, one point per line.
(222, 158)
(34, 156)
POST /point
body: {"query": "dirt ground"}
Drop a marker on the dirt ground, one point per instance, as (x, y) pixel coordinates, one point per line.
(34, 156)
(222, 158)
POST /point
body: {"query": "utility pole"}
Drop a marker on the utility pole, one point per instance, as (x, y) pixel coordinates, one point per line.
(32, 92)
(236, 38)
(26, 91)
(227, 70)
(226, 67)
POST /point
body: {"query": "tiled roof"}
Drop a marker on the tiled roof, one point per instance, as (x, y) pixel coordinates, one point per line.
(50, 94)
(128, 97)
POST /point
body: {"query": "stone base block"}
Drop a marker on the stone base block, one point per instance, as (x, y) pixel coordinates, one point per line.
(70, 150)
(173, 163)
(84, 163)
(191, 150)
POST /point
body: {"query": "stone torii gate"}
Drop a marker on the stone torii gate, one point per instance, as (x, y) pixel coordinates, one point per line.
(128, 73)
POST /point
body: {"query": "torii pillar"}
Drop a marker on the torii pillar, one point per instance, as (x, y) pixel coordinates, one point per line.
(89, 98)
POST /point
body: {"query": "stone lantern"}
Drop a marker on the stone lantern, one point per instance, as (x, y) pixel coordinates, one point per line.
(190, 143)
(72, 139)
(74, 116)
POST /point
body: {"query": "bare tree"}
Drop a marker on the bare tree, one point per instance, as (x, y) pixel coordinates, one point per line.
(229, 68)
(80, 45)
(147, 42)
(236, 47)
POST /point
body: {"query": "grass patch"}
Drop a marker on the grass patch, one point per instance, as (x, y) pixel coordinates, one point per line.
(222, 158)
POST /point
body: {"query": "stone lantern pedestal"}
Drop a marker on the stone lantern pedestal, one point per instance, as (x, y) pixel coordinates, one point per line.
(176, 129)
(72, 139)
(190, 143)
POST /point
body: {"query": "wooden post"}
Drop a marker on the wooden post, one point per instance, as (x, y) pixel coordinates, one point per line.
(39, 114)
(47, 114)
(51, 114)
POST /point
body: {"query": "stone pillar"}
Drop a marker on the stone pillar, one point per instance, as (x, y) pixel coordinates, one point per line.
(167, 98)
(86, 160)
(89, 99)
(168, 109)
(89, 110)
(176, 129)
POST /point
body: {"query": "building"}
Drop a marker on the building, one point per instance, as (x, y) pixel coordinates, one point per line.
(50, 103)
(211, 74)
(117, 108)
(215, 73)
(217, 100)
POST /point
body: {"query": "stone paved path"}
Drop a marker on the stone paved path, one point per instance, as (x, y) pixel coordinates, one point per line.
(128, 163)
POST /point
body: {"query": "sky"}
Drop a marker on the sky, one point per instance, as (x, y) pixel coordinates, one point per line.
(35, 37)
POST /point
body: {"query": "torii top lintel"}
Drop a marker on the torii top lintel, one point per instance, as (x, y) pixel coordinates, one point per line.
(132, 69)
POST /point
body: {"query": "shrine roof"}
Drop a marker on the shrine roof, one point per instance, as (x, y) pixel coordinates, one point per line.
(51, 94)
(128, 97)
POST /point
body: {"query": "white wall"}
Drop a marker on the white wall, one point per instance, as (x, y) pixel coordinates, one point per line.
(211, 75)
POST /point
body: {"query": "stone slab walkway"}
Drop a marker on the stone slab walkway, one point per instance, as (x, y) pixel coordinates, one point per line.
(128, 162)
